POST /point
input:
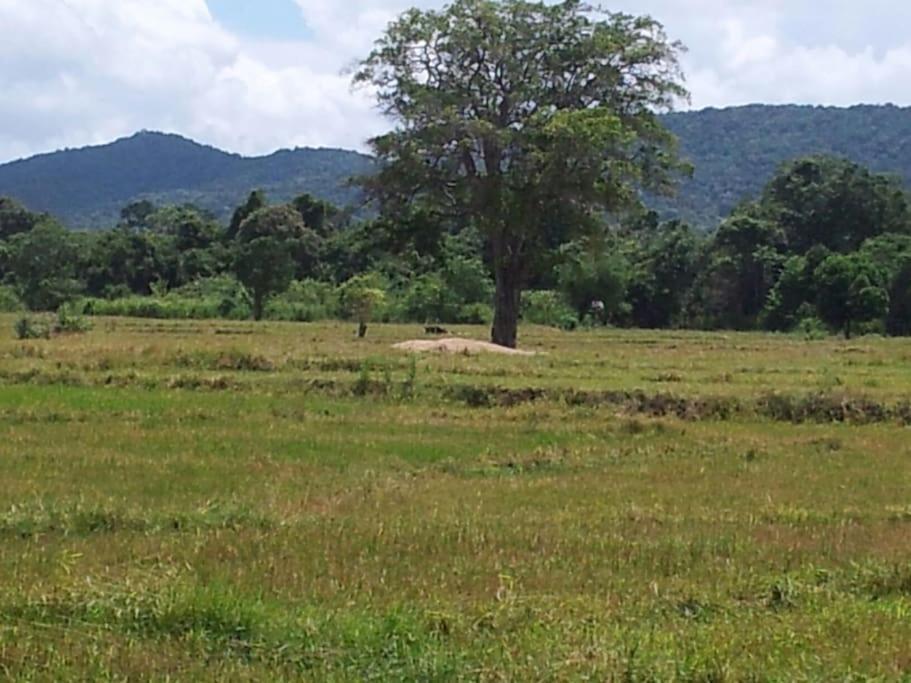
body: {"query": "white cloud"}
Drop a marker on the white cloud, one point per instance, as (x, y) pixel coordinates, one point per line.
(74, 72)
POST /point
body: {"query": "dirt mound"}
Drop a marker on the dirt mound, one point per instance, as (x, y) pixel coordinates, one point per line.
(453, 345)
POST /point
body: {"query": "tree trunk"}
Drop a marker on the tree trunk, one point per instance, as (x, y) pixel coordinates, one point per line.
(361, 330)
(506, 306)
(258, 305)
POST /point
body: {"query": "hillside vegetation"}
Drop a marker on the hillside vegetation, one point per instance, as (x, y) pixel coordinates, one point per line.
(86, 188)
(734, 152)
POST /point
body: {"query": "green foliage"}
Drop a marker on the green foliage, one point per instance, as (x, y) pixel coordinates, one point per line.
(91, 185)
(165, 308)
(123, 261)
(742, 264)
(812, 328)
(15, 218)
(735, 151)
(255, 202)
(42, 266)
(266, 267)
(9, 300)
(757, 270)
(850, 291)
(361, 297)
(435, 298)
(546, 307)
(592, 272)
(792, 292)
(283, 224)
(305, 301)
(71, 321)
(32, 327)
(834, 203)
(524, 149)
(210, 298)
(318, 215)
(664, 262)
(898, 322)
(135, 215)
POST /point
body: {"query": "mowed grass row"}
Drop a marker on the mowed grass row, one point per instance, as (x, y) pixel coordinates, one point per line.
(248, 529)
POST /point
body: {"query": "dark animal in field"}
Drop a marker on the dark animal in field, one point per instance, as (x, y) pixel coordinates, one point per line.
(435, 329)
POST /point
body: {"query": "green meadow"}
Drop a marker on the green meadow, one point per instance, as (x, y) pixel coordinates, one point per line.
(280, 502)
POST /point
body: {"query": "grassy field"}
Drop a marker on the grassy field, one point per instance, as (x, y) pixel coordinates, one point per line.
(229, 501)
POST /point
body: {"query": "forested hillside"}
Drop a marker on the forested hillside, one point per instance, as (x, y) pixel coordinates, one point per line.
(88, 187)
(734, 152)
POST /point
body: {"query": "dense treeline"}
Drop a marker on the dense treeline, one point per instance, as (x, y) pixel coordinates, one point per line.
(826, 245)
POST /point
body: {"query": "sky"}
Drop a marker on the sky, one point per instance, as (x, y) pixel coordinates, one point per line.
(253, 76)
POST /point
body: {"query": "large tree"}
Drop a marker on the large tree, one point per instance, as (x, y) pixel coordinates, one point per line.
(834, 202)
(525, 119)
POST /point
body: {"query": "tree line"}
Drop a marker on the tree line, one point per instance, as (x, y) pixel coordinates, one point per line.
(826, 246)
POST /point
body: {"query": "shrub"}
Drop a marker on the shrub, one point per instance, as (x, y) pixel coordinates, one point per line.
(9, 301)
(361, 299)
(305, 301)
(70, 320)
(812, 329)
(32, 327)
(475, 314)
(548, 308)
(429, 299)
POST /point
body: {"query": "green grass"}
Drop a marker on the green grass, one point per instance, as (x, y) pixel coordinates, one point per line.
(229, 501)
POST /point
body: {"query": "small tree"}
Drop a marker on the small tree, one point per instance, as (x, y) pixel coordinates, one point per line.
(849, 291)
(272, 246)
(265, 267)
(360, 298)
(41, 265)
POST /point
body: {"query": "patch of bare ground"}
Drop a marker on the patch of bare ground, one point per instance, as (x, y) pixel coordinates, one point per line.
(457, 345)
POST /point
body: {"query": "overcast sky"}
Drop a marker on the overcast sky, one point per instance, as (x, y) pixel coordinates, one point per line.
(253, 76)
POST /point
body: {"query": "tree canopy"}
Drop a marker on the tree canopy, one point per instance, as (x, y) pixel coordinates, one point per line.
(524, 119)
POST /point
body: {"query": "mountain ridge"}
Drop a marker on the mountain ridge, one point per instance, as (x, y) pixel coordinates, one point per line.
(734, 150)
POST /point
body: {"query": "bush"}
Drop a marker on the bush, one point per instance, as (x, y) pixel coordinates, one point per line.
(70, 321)
(813, 329)
(32, 327)
(305, 301)
(150, 307)
(545, 307)
(9, 301)
(475, 314)
(362, 299)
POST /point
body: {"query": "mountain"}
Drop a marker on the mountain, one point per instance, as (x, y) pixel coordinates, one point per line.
(735, 151)
(87, 187)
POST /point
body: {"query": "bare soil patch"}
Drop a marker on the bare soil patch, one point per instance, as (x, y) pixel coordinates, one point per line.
(456, 345)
